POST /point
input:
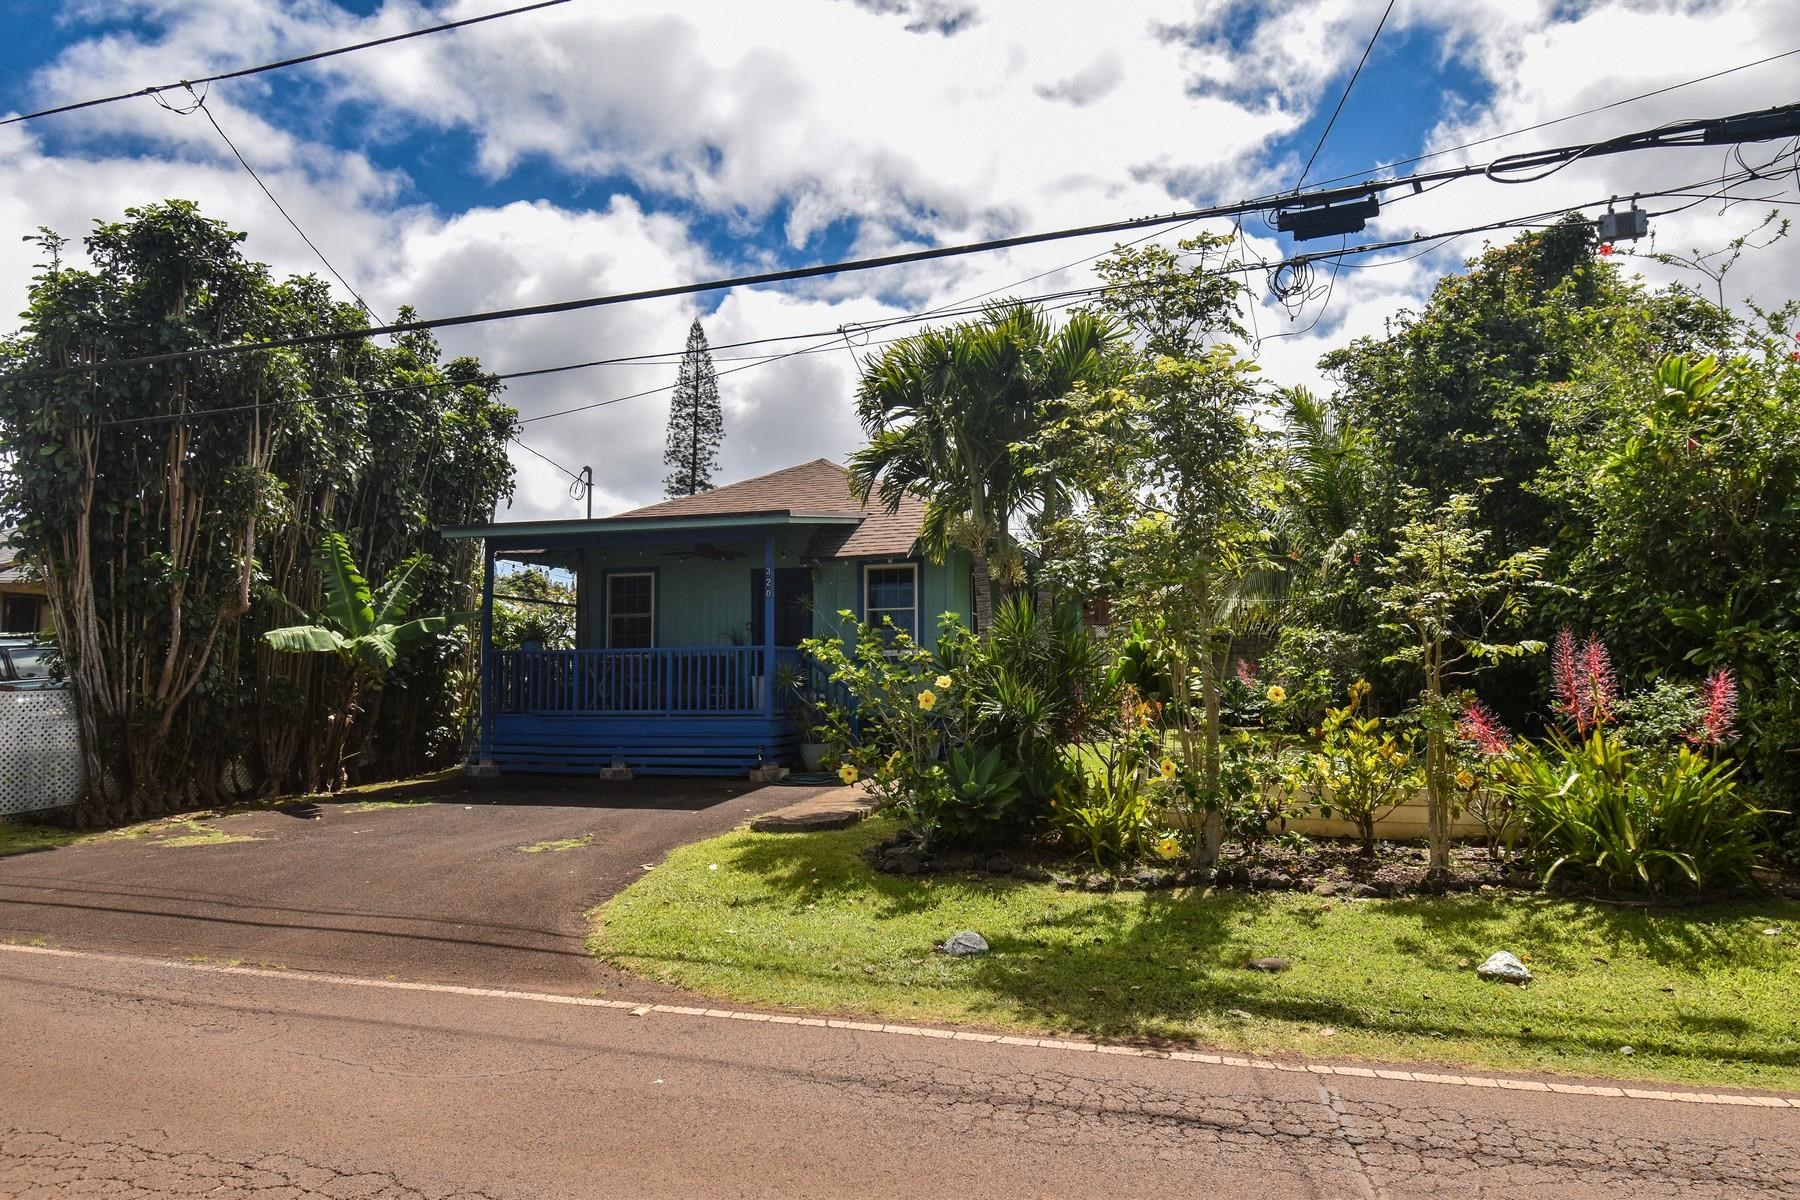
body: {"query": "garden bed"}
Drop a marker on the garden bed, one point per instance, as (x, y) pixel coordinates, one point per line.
(1323, 866)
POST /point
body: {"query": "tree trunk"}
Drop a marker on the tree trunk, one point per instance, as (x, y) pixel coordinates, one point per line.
(984, 591)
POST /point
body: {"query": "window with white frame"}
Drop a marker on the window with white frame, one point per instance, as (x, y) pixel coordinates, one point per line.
(891, 593)
(631, 610)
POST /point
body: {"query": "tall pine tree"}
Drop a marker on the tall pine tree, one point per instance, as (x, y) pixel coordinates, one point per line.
(696, 424)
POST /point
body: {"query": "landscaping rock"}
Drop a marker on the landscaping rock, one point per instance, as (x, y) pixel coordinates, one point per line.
(963, 944)
(1270, 881)
(1272, 965)
(1524, 880)
(1194, 877)
(1152, 881)
(1098, 882)
(1387, 889)
(1505, 968)
(998, 865)
(1329, 888)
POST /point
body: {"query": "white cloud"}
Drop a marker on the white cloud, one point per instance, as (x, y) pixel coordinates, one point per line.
(915, 122)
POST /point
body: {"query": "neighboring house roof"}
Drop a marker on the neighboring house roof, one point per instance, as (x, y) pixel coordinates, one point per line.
(814, 491)
(11, 570)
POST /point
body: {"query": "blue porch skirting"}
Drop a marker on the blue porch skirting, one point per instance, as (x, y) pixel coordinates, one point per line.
(650, 745)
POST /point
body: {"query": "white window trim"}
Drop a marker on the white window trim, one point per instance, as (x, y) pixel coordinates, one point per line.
(869, 614)
(612, 575)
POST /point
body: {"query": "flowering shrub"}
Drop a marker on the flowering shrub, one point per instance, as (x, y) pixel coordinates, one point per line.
(1361, 769)
(972, 743)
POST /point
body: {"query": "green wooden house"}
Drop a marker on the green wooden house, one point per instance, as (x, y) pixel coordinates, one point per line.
(688, 613)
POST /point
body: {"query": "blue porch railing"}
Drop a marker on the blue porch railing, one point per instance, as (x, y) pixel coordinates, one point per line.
(666, 681)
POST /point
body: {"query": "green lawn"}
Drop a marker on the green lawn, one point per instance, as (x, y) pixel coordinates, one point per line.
(1702, 995)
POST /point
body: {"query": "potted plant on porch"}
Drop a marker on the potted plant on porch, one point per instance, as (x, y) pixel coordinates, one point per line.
(803, 708)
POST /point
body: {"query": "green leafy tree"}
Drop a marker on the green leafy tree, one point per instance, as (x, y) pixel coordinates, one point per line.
(1447, 605)
(1177, 538)
(364, 629)
(696, 422)
(163, 503)
(946, 412)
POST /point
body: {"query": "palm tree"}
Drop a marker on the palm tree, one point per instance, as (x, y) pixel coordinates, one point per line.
(945, 411)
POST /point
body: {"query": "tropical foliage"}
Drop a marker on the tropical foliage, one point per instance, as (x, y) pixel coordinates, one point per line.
(168, 505)
(1546, 445)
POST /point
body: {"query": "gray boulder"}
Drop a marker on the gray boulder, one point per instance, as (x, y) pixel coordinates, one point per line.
(966, 943)
(1504, 967)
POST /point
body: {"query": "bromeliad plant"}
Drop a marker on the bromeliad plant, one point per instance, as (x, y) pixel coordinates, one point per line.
(1634, 821)
(364, 628)
(1646, 806)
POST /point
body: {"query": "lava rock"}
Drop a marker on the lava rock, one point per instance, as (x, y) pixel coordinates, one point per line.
(1270, 881)
(1386, 888)
(1272, 965)
(963, 944)
(1504, 967)
(1000, 864)
(1329, 887)
(1151, 880)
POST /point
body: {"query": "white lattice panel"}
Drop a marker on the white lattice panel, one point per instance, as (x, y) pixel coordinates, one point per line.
(40, 751)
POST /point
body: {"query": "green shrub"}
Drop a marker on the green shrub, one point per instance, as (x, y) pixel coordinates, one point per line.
(1634, 820)
(1360, 770)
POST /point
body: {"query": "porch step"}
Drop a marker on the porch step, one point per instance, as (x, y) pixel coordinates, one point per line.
(556, 744)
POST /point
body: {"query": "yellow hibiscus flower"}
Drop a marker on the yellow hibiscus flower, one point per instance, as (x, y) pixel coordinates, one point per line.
(1277, 694)
(1168, 849)
(927, 699)
(1465, 780)
(848, 773)
(1168, 768)
(943, 681)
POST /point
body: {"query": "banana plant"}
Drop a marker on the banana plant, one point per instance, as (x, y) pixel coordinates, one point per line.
(364, 628)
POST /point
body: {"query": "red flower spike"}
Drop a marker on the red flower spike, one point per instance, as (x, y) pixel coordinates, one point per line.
(1582, 679)
(1478, 726)
(1606, 250)
(1718, 718)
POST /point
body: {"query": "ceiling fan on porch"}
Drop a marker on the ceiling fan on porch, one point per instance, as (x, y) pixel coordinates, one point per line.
(704, 550)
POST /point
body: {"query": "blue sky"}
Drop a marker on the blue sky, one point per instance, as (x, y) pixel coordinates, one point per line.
(605, 146)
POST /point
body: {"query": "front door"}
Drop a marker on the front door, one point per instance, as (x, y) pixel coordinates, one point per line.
(793, 605)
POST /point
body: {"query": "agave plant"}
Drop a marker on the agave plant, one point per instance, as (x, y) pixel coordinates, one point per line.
(364, 628)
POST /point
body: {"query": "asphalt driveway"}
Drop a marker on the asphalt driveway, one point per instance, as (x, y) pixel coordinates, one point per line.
(478, 882)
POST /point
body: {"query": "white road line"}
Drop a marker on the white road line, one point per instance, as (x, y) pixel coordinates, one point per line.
(1063, 1045)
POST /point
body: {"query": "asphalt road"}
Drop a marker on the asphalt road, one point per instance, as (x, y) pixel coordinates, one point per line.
(376, 1059)
(122, 1078)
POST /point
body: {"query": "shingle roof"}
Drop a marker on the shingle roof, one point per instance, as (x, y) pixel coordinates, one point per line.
(820, 488)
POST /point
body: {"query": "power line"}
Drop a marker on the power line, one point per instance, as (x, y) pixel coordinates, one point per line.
(200, 104)
(1765, 125)
(1354, 75)
(826, 339)
(1575, 116)
(276, 66)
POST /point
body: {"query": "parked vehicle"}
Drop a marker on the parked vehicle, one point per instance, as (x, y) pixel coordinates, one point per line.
(27, 665)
